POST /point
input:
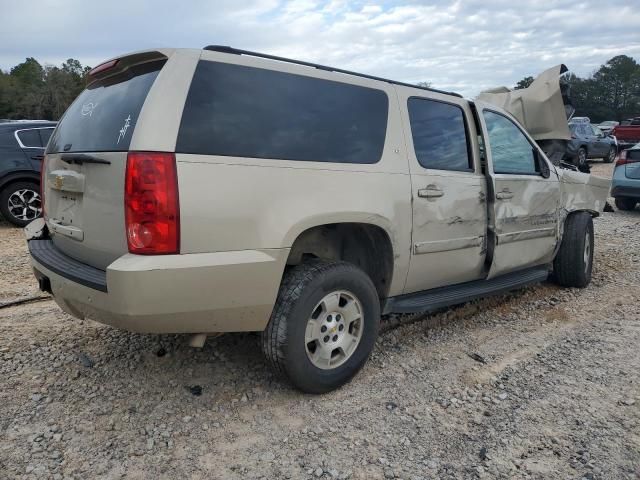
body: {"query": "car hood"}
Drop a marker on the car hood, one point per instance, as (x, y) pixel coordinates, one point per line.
(540, 108)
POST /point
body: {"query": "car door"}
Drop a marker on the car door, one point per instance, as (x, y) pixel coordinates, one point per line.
(525, 197)
(448, 190)
(601, 144)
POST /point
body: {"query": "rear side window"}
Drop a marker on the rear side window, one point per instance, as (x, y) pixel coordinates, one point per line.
(439, 135)
(45, 135)
(238, 111)
(103, 117)
(29, 138)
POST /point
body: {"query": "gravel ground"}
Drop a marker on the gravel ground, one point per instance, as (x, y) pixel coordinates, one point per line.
(542, 383)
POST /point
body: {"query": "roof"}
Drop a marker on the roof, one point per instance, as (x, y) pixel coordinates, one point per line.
(237, 51)
(17, 124)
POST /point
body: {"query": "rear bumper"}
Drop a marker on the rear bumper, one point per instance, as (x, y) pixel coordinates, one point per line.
(626, 190)
(621, 186)
(195, 293)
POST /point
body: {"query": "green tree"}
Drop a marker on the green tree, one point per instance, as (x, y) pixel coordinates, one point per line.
(30, 90)
(524, 83)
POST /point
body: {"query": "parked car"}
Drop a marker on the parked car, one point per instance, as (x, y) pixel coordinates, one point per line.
(21, 151)
(607, 126)
(625, 187)
(588, 141)
(631, 121)
(627, 135)
(296, 200)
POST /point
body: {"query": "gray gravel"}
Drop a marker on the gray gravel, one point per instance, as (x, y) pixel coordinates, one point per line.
(542, 383)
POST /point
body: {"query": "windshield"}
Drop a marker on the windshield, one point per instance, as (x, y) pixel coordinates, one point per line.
(103, 117)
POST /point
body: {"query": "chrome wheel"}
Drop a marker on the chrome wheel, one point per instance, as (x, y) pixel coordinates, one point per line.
(334, 330)
(587, 252)
(24, 204)
(612, 155)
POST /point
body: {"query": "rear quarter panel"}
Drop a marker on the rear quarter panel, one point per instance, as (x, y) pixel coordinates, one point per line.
(238, 203)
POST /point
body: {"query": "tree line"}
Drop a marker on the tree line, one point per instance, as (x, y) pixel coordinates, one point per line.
(610, 93)
(32, 91)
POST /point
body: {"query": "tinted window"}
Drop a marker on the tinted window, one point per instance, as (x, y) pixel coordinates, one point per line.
(511, 152)
(103, 117)
(45, 134)
(439, 135)
(29, 138)
(241, 111)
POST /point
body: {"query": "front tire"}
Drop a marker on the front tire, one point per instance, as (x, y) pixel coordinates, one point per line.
(20, 203)
(574, 262)
(324, 325)
(624, 203)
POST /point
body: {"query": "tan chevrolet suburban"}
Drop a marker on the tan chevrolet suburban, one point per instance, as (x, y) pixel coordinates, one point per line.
(220, 190)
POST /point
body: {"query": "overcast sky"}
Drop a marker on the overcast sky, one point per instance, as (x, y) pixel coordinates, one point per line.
(465, 46)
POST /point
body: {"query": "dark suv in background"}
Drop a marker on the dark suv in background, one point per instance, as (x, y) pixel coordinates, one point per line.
(588, 141)
(22, 144)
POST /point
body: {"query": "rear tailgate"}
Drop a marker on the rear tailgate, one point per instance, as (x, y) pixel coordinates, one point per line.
(86, 161)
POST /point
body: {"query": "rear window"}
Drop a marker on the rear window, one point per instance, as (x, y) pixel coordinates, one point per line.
(103, 117)
(238, 111)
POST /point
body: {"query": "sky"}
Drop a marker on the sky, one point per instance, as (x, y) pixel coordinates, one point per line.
(464, 46)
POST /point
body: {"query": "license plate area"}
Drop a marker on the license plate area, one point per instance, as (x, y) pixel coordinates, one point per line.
(65, 214)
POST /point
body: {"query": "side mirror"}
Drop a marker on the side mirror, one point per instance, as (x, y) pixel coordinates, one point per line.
(541, 164)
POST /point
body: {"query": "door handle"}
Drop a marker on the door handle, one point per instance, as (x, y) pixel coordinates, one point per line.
(504, 195)
(37, 157)
(430, 192)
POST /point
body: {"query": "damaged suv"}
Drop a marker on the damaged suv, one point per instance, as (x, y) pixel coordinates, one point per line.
(220, 190)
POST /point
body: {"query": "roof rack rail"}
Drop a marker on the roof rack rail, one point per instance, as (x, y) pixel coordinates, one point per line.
(236, 51)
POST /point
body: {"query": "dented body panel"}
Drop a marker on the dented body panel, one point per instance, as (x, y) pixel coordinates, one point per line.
(583, 192)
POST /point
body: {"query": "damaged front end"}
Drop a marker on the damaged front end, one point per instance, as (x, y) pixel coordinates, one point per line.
(543, 109)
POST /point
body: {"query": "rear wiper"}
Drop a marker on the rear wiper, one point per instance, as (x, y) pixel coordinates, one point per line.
(80, 158)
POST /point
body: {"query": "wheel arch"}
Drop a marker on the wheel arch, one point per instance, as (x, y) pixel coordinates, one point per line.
(369, 246)
(19, 176)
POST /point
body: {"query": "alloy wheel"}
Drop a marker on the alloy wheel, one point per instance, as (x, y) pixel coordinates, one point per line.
(25, 204)
(334, 330)
(587, 252)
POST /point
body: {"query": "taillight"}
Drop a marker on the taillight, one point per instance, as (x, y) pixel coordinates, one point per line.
(152, 211)
(624, 159)
(103, 67)
(43, 176)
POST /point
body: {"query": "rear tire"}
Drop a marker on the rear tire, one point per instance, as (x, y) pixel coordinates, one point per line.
(625, 203)
(335, 298)
(20, 203)
(574, 261)
(611, 156)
